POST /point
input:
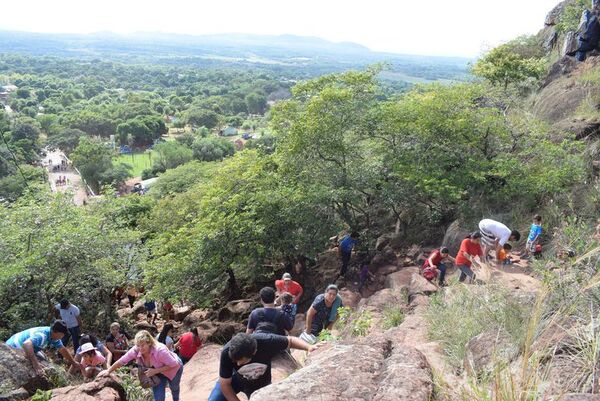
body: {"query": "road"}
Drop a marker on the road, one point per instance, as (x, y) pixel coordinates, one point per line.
(74, 183)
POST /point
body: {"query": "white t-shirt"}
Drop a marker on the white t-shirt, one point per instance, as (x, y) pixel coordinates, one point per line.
(495, 229)
(168, 341)
(69, 315)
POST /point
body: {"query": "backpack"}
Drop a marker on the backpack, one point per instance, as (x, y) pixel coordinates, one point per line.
(429, 273)
(268, 326)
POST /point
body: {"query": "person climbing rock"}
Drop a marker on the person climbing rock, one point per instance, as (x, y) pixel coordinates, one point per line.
(69, 313)
(166, 336)
(33, 341)
(435, 266)
(347, 244)
(245, 364)
(187, 346)
(268, 318)
(116, 341)
(286, 284)
(323, 312)
(470, 249)
(494, 235)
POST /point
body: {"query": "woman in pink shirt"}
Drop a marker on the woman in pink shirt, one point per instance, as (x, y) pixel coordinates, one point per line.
(158, 360)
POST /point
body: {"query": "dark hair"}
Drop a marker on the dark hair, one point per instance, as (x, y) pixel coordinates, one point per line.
(59, 326)
(474, 235)
(194, 331)
(267, 295)
(537, 218)
(507, 246)
(444, 250)
(515, 234)
(241, 346)
(88, 338)
(332, 287)
(162, 337)
(355, 234)
(287, 298)
(64, 303)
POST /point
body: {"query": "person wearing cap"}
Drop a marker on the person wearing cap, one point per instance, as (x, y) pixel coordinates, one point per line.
(286, 284)
(323, 312)
(33, 341)
(92, 361)
(494, 235)
(69, 313)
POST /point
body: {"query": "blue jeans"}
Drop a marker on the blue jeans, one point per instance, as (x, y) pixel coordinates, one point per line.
(464, 272)
(217, 395)
(75, 333)
(442, 269)
(159, 391)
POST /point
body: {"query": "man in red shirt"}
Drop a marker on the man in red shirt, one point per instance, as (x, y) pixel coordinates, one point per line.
(188, 345)
(286, 284)
(470, 248)
(435, 263)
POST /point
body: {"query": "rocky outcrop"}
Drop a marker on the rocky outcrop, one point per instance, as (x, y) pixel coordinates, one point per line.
(454, 235)
(554, 14)
(17, 377)
(219, 332)
(103, 389)
(488, 349)
(237, 310)
(377, 370)
(420, 286)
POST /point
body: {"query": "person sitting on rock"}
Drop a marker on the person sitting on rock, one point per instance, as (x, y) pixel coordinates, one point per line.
(33, 341)
(188, 344)
(347, 244)
(286, 284)
(470, 249)
(245, 364)
(435, 266)
(154, 359)
(268, 318)
(323, 312)
(116, 341)
(165, 336)
(494, 235)
(92, 361)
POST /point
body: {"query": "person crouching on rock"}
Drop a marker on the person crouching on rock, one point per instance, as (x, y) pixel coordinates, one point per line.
(323, 312)
(92, 361)
(470, 249)
(435, 266)
(33, 341)
(154, 359)
(245, 364)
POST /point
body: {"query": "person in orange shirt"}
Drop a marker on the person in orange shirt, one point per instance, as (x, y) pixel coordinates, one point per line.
(503, 255)
(470, 249)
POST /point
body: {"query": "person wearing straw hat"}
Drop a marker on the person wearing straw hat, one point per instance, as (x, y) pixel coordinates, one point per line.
(92, 361)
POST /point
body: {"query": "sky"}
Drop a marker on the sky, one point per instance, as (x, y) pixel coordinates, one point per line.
(428, 27)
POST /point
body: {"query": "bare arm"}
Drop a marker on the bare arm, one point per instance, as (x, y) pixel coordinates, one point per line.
(108, 355)
(67, 355)
(295, 342)
(227, 389)
(309, 318)
(297, 298)
(430, 260)
(28, 348)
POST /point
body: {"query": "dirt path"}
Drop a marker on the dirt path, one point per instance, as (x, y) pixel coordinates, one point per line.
(73, 184)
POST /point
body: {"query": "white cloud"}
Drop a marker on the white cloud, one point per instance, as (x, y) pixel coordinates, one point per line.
(436, 27)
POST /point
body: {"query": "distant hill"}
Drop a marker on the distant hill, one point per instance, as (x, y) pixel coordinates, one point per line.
(283, 51)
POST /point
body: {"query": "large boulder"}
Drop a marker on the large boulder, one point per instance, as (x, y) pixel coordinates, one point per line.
(102, 389)
(376, 370)
(17, 374)
(400, 280)
(554, 14)
(568, 374)
(570, 44)
(219, 332)
(181, 312)
(195, 317)
(420, 286)
(454, 235)
(236, 310)
(484, 351)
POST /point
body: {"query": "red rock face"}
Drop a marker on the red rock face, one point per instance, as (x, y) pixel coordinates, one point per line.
(103, 389)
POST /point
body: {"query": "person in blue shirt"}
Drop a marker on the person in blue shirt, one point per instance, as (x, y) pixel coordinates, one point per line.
(534, 236)
(345, 248)
(37, 339)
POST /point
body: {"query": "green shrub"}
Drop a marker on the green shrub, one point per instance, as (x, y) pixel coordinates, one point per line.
(393, 316)
(41, 395)
(569, 18)
(132, 387)
(357, 324)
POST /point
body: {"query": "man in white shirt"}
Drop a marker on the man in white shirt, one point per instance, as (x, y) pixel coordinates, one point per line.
(69, 313)
(494, 235)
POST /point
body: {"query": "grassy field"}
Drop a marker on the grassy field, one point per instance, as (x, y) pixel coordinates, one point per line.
(139, 161)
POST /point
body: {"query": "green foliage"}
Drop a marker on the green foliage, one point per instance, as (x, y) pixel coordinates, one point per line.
(170, 155)
(393, 316)
(326, 335)
(357, 324)
(571, 15)
(133, 390)
(454, 320)
(182, 178)
(53, 249)
(94, 161)
(212, 149)
(202, 118)
(41, 395)
(505, 65)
